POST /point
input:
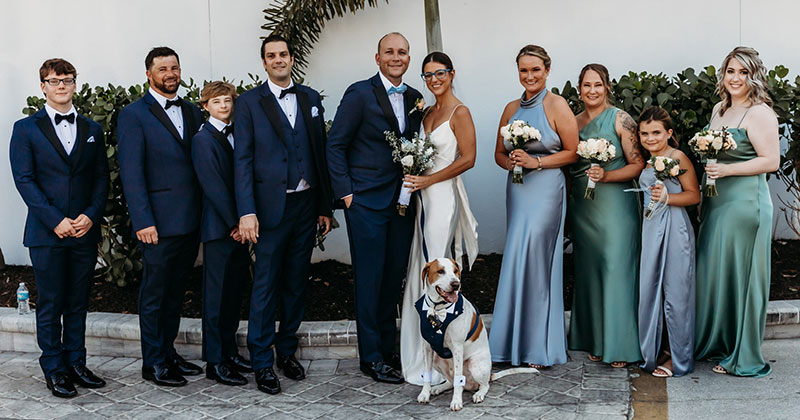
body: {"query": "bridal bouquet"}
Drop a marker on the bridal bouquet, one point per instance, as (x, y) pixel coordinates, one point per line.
(596, 151)
(664, 168)
(415, 156)
(518, 133)
(708, 144)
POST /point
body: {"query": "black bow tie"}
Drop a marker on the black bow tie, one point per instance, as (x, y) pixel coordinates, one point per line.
(284, 92)
(228, 130)
(175, 102)
(69, 117)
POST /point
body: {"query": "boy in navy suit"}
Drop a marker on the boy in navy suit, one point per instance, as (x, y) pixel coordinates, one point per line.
(155, 163)
(226, 260)
(58, 160)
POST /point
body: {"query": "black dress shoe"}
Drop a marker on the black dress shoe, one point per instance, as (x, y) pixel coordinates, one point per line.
(61, 386)
(267, 381)
(163, 375)
(393, 360)
(81, 375)
(183, 367)
(382, 372)
(224, 374)
(240, 364)
(291, 368)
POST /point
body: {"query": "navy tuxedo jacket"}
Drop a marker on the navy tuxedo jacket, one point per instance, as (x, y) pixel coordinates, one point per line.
(55, 185)
(260, 157)
(156, 167)
(212, 156)
(359, 157)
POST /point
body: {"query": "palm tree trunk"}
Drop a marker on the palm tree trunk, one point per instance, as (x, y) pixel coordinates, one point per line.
(433, 30)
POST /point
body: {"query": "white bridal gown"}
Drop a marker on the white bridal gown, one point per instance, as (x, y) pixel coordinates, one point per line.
(447, 221)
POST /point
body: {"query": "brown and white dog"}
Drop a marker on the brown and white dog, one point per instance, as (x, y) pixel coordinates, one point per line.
(465, 338)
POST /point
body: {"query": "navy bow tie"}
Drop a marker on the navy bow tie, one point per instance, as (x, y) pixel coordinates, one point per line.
(397, 89)
(69, 117)
(175, 102)
(228, 130)
(291, 89)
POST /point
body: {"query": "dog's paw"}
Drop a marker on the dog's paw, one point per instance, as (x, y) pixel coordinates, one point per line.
(424, 397)
(456, 404)
(477, 398)
(438, 389)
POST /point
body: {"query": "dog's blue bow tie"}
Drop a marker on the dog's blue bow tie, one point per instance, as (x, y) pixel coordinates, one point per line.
(394, 89)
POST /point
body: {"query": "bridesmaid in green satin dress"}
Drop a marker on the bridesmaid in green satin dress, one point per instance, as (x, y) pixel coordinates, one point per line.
(733, 247)
(605, 231)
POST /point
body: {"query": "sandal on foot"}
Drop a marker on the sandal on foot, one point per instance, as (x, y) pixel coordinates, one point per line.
(618, 365)
(594, 358)
(667, 373)
(719, 369)
(537, 366)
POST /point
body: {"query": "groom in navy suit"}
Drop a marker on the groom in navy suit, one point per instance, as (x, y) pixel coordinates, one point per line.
(368, 183)
(154, 147)
(58, 160)
(282, 195)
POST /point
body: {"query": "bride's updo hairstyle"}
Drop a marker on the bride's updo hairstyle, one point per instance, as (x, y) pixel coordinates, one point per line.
(535, 51)
(437, 57)
(756, 78)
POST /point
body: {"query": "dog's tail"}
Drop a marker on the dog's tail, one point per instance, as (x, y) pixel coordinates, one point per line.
(513, 371)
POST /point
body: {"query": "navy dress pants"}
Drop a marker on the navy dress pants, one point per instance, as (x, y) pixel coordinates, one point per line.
(167, 266)
(226, 271)
(283, 260)
(63, 276)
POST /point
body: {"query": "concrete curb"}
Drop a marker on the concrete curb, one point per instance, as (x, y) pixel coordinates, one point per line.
(117, 335)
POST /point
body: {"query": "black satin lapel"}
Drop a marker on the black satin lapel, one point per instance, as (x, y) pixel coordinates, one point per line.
(83, 135)
(47, 128)
(270, 107)
(221, 139)
(188, 122)
(408, 103)
(386, 107)
(305, 107)
(161, 115)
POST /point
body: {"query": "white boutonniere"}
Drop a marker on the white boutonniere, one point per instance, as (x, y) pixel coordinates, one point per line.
(419, 105)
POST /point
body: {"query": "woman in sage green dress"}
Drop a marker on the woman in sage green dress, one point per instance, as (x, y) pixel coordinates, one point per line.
(605, 231)
(734, 243)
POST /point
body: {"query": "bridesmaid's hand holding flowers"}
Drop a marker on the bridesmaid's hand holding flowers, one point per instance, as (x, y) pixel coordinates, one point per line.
(521, 158)
(596, 173)
(656, 191)
(716, 170)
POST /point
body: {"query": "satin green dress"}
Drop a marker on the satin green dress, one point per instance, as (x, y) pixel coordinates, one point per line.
(733, 268)
(606, 237)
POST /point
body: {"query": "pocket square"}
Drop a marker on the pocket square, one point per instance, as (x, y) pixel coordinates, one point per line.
(90, 140)
(314, 112)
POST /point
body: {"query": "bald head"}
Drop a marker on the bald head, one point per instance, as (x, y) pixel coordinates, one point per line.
(392, 35)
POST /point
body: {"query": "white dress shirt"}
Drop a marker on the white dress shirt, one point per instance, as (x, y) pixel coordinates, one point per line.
(288, 105)
(219, 125)
(174, 113)
(64, 130)
(396, 100)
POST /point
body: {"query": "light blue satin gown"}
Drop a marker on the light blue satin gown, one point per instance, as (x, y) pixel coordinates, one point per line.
(528, 323)
(667, 281)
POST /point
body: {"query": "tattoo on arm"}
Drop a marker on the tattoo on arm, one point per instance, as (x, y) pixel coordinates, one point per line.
(630, 127)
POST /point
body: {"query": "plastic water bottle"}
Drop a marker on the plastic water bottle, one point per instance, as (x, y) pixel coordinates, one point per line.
(23, 305)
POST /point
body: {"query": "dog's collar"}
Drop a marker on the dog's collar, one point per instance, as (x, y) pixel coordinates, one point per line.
(429, 303)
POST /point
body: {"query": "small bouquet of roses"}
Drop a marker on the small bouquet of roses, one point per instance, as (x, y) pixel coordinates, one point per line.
(518, 133)
(597, 151)
(664, 168)
(708, 144)
(415, 156)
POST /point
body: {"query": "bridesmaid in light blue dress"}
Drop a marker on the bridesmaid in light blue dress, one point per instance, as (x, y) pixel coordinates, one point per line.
(666, 273)
(528, 323)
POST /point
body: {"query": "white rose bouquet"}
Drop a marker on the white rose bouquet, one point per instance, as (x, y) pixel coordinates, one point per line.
(415, 156)
(597, 151)
(517, 134)
(664, 168)
(708, 144)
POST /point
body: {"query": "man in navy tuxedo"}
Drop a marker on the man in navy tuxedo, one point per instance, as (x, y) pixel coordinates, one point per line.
(282, 194)
(368, 182)
(226, 260)
(154, 137)
(58, 160)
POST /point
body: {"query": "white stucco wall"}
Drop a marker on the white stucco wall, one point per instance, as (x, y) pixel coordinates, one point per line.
(107, 41)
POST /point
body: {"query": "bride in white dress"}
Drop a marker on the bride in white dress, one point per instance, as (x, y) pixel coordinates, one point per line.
(443, 213)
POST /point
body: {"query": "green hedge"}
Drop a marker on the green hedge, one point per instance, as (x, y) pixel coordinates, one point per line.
(688, 96)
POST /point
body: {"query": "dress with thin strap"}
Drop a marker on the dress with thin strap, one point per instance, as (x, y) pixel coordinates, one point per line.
(444, 223)
(528, 321)
(733, 267)
(666, 280)
(605, 236)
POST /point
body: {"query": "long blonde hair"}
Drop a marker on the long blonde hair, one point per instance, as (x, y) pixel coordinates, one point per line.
(756, 78)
